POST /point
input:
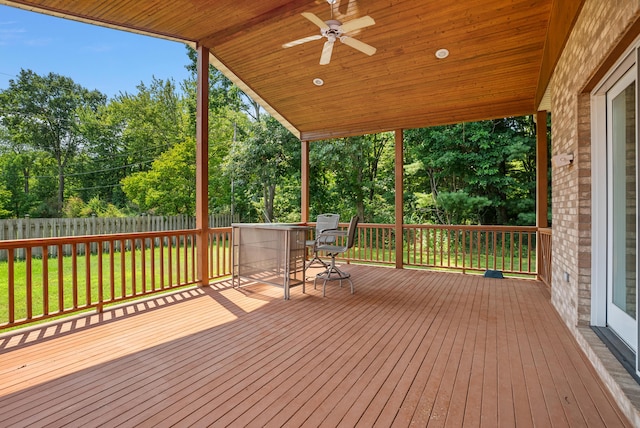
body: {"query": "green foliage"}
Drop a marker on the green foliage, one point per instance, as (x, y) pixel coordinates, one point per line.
(494, 160)
(42, 113)
(5, 198)
(75, 207)
(169, 187)
(263, 162)
(461, 208)
(353, 176)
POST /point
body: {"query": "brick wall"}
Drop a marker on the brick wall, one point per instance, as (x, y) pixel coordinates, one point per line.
(597, 32)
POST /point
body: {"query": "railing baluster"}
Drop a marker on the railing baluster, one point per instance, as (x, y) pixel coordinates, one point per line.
(520, 252)
(464, 250)
(451, 246)
(87, 273)
(61, 307)
(456, 242)
(123, 271)
(530, 245)
(192, 255)
(11, 292)
(162, 263)
(511, 247)
(495, 255)
(143, 264)
(100, 278)
(153, 264)
(29, 284)
(134, 270)
(112, 273)
(502, 249)
(45, 280)
(74, 274)
(177, 259)
(170, 259)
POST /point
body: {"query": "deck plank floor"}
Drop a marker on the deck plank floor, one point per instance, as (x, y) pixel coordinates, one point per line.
(409, 348)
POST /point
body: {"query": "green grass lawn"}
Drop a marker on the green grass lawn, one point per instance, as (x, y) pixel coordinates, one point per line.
(118, 280)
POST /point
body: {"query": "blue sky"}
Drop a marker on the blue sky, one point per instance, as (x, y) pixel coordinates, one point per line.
(95, 57)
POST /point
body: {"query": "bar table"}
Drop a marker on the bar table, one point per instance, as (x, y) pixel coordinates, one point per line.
(271, 253)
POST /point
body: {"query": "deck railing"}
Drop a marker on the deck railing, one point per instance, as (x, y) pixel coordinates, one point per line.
(36, 284)
(50, 277)
(472, 248)
(511, 250)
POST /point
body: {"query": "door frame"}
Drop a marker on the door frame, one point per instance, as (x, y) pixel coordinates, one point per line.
(599, 187)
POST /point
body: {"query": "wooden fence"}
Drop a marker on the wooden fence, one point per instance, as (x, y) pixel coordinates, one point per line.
(38, 228)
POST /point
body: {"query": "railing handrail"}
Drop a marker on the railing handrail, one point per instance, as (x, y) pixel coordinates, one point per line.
(442, 226)
(81, 239)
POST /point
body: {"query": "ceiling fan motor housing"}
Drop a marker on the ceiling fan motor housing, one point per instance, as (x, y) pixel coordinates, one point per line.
(334, 31)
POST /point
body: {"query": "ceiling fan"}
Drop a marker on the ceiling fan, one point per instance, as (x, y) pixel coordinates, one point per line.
(334, 30)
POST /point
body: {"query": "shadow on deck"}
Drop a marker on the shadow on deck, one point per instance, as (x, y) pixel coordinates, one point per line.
(409, 347)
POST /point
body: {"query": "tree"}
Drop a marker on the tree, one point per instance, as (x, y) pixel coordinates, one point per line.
(354, 175)
(125, 137)
(489, 159)
(265, 160)
(5, 198)
(43, 113)
(169, 187)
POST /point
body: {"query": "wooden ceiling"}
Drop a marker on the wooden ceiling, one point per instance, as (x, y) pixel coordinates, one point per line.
(502, 53)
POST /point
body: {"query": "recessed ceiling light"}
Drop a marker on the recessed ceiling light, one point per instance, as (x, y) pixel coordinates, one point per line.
(442, 53)
(318, 81)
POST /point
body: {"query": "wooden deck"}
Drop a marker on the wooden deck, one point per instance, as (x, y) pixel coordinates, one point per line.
(409, 348)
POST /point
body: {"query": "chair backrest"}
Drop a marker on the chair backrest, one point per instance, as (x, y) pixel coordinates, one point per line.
(327, 221)
(351, 232)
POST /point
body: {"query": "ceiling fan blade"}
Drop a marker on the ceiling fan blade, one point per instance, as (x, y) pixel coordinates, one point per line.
(301, 41)
(357, 24)
(357, 44)
(314, 18)
(327, 49)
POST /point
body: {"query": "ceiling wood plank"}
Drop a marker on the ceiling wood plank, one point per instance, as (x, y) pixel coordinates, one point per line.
(501, 53)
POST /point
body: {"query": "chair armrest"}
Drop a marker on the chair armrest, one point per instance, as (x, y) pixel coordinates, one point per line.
(329, 233)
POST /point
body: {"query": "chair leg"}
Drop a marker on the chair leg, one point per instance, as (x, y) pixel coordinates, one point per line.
(332, 273)
(316, 259)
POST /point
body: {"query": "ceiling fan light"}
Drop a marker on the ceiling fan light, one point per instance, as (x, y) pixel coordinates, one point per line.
(442, 53)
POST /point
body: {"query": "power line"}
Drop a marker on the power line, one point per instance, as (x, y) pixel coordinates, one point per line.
(96, 171)
(98, 187)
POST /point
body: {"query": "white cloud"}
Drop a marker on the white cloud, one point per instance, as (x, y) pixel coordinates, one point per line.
(44, 41)
(11, 35)
(98, 48)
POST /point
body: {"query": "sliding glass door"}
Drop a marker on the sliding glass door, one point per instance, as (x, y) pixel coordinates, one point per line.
(622, 190)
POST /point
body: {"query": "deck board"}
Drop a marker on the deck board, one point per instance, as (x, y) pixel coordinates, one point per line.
(411, 347)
